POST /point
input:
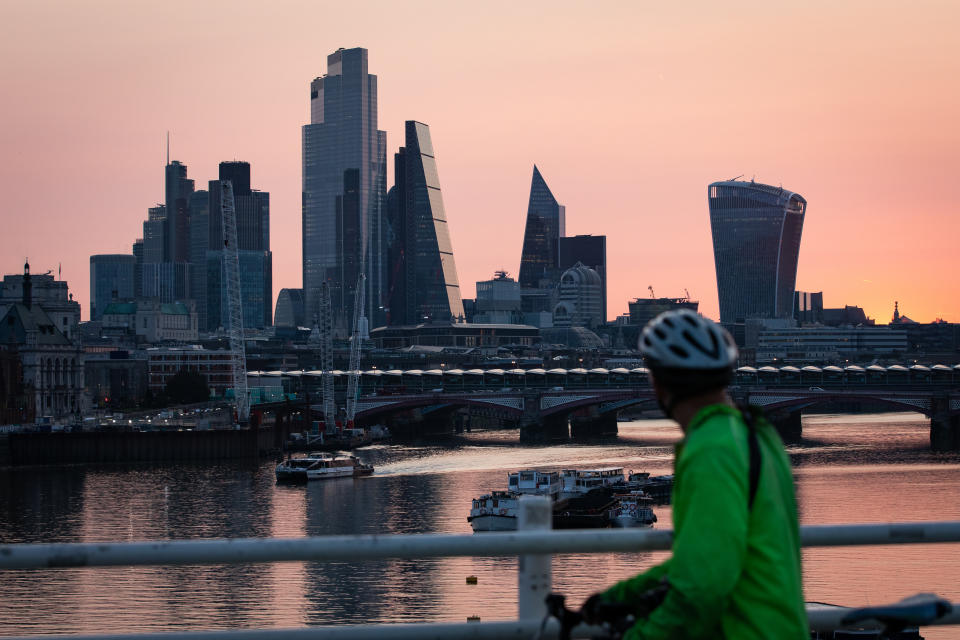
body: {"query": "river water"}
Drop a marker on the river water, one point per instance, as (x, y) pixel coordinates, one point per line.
(862, 468)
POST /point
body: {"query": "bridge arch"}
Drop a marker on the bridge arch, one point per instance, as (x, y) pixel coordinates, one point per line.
(779, 403)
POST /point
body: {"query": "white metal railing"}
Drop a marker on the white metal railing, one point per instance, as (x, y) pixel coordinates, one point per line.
(534, 543)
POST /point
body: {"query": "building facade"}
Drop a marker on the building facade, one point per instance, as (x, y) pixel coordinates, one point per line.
(51, 363)
(756, 244)
(151, 321)
(252, 209)
(580, 295)
(823, 345)
(643, 310)
(422, 281)
(215, 366)
(111, 278)
(289, 309)
(344, 189)
(546, 224)
(461, 334)
(590, 251)
(498, 301)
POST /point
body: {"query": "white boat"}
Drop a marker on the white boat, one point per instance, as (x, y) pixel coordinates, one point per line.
(321, 466)
(577, 482)
(494, 511)
(633, 510)
(497, 510)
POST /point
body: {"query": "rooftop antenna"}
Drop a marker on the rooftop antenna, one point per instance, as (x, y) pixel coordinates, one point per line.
(168, 147)
(732, 179)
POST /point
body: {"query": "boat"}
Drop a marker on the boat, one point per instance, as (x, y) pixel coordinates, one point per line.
(632, 510)
(657, 487)
(494, 511)
(577, 482)
(497, 510)
(321, 466)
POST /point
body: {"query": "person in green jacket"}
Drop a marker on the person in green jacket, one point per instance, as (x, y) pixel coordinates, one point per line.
(735, 568)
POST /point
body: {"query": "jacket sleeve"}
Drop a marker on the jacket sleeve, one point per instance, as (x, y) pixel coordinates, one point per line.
(709, 550)
(629, 591)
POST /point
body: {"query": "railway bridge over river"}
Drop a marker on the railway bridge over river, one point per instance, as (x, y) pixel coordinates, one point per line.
(558, 404)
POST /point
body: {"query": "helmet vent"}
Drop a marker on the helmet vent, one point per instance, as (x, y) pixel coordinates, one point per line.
(680, 351)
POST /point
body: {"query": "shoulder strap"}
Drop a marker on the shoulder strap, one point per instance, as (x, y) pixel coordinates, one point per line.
(754, 445)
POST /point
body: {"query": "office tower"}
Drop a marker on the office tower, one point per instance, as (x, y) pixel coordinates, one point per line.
(423, 284)
(592, 252)
(253, 246)
(344, 186)
(138, 268)
(546, 224)
(289, 309)
(199, 245)
(808, 306)
(111, 278)
(756, 242)
(154, 234)
(178, 189)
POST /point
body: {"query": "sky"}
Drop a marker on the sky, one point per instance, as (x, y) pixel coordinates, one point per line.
(629, 109)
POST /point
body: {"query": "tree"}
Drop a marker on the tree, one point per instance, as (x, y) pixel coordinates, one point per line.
(187, 387)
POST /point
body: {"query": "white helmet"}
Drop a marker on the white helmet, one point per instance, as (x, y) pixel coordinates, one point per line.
(683, 339)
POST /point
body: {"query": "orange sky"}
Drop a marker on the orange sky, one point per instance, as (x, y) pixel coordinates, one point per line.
(629, 110)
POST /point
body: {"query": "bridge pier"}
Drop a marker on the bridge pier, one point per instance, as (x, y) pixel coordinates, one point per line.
(550, 428)
(788, 425)
(593, 425)
(944, 428)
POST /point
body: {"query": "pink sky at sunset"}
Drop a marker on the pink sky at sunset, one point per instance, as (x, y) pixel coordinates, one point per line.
(629, 110)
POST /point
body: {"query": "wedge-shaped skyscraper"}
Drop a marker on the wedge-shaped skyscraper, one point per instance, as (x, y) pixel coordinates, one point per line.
(546, 224)
(423, 284)
(756, 243)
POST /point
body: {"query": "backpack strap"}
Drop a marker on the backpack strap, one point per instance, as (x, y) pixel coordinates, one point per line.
(752, 441)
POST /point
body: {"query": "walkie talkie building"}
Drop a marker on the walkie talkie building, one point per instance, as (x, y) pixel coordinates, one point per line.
(756, 242)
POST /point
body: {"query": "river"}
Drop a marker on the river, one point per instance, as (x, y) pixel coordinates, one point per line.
(849, 468)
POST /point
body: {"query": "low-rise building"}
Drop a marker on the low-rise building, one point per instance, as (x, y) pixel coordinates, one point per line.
(51, 364)
(821, 345)
(152, 321)
(448, 334)
(165, 362)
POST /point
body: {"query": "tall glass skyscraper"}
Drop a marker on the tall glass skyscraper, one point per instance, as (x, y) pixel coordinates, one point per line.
(111, 278)
(756, 242)
(546, 224)
(423, 282)
(344, 188)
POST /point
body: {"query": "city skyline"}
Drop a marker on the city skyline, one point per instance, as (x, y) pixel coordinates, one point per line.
(862, 129)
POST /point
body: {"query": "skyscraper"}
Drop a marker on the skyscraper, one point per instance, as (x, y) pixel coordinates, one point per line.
(592, 252)
(756, 243)
(111, 278)
(546, 224)
(253, 245)
(422, 279)
(344, 186)
(178, 189)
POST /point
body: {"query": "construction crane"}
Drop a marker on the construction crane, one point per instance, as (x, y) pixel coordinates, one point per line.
(231, 276)
(325, 331)
(359, 322)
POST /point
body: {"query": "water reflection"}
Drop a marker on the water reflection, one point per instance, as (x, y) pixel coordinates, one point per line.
(848, 469)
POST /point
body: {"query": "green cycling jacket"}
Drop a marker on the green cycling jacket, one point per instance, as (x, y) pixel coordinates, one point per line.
(735, 570)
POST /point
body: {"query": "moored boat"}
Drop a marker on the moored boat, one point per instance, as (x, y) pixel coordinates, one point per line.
(321, 466)
(632, 509)
(494, 511)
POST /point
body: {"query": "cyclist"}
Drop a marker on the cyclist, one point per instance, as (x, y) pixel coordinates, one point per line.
(735, 567)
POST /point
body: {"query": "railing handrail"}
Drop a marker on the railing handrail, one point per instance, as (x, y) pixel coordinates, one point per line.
(370, 547)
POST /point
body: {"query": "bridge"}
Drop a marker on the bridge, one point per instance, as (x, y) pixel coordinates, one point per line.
(558, 403)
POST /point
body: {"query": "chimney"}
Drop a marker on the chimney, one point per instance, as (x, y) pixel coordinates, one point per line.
(27, 286)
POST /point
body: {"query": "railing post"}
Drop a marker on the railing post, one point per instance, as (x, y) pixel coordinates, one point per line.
(535, 574)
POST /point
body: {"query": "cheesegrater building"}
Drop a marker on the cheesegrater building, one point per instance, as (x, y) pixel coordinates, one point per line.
(423, 284)
(756, 243)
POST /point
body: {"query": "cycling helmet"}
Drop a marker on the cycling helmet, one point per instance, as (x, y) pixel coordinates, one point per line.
(685, 340)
